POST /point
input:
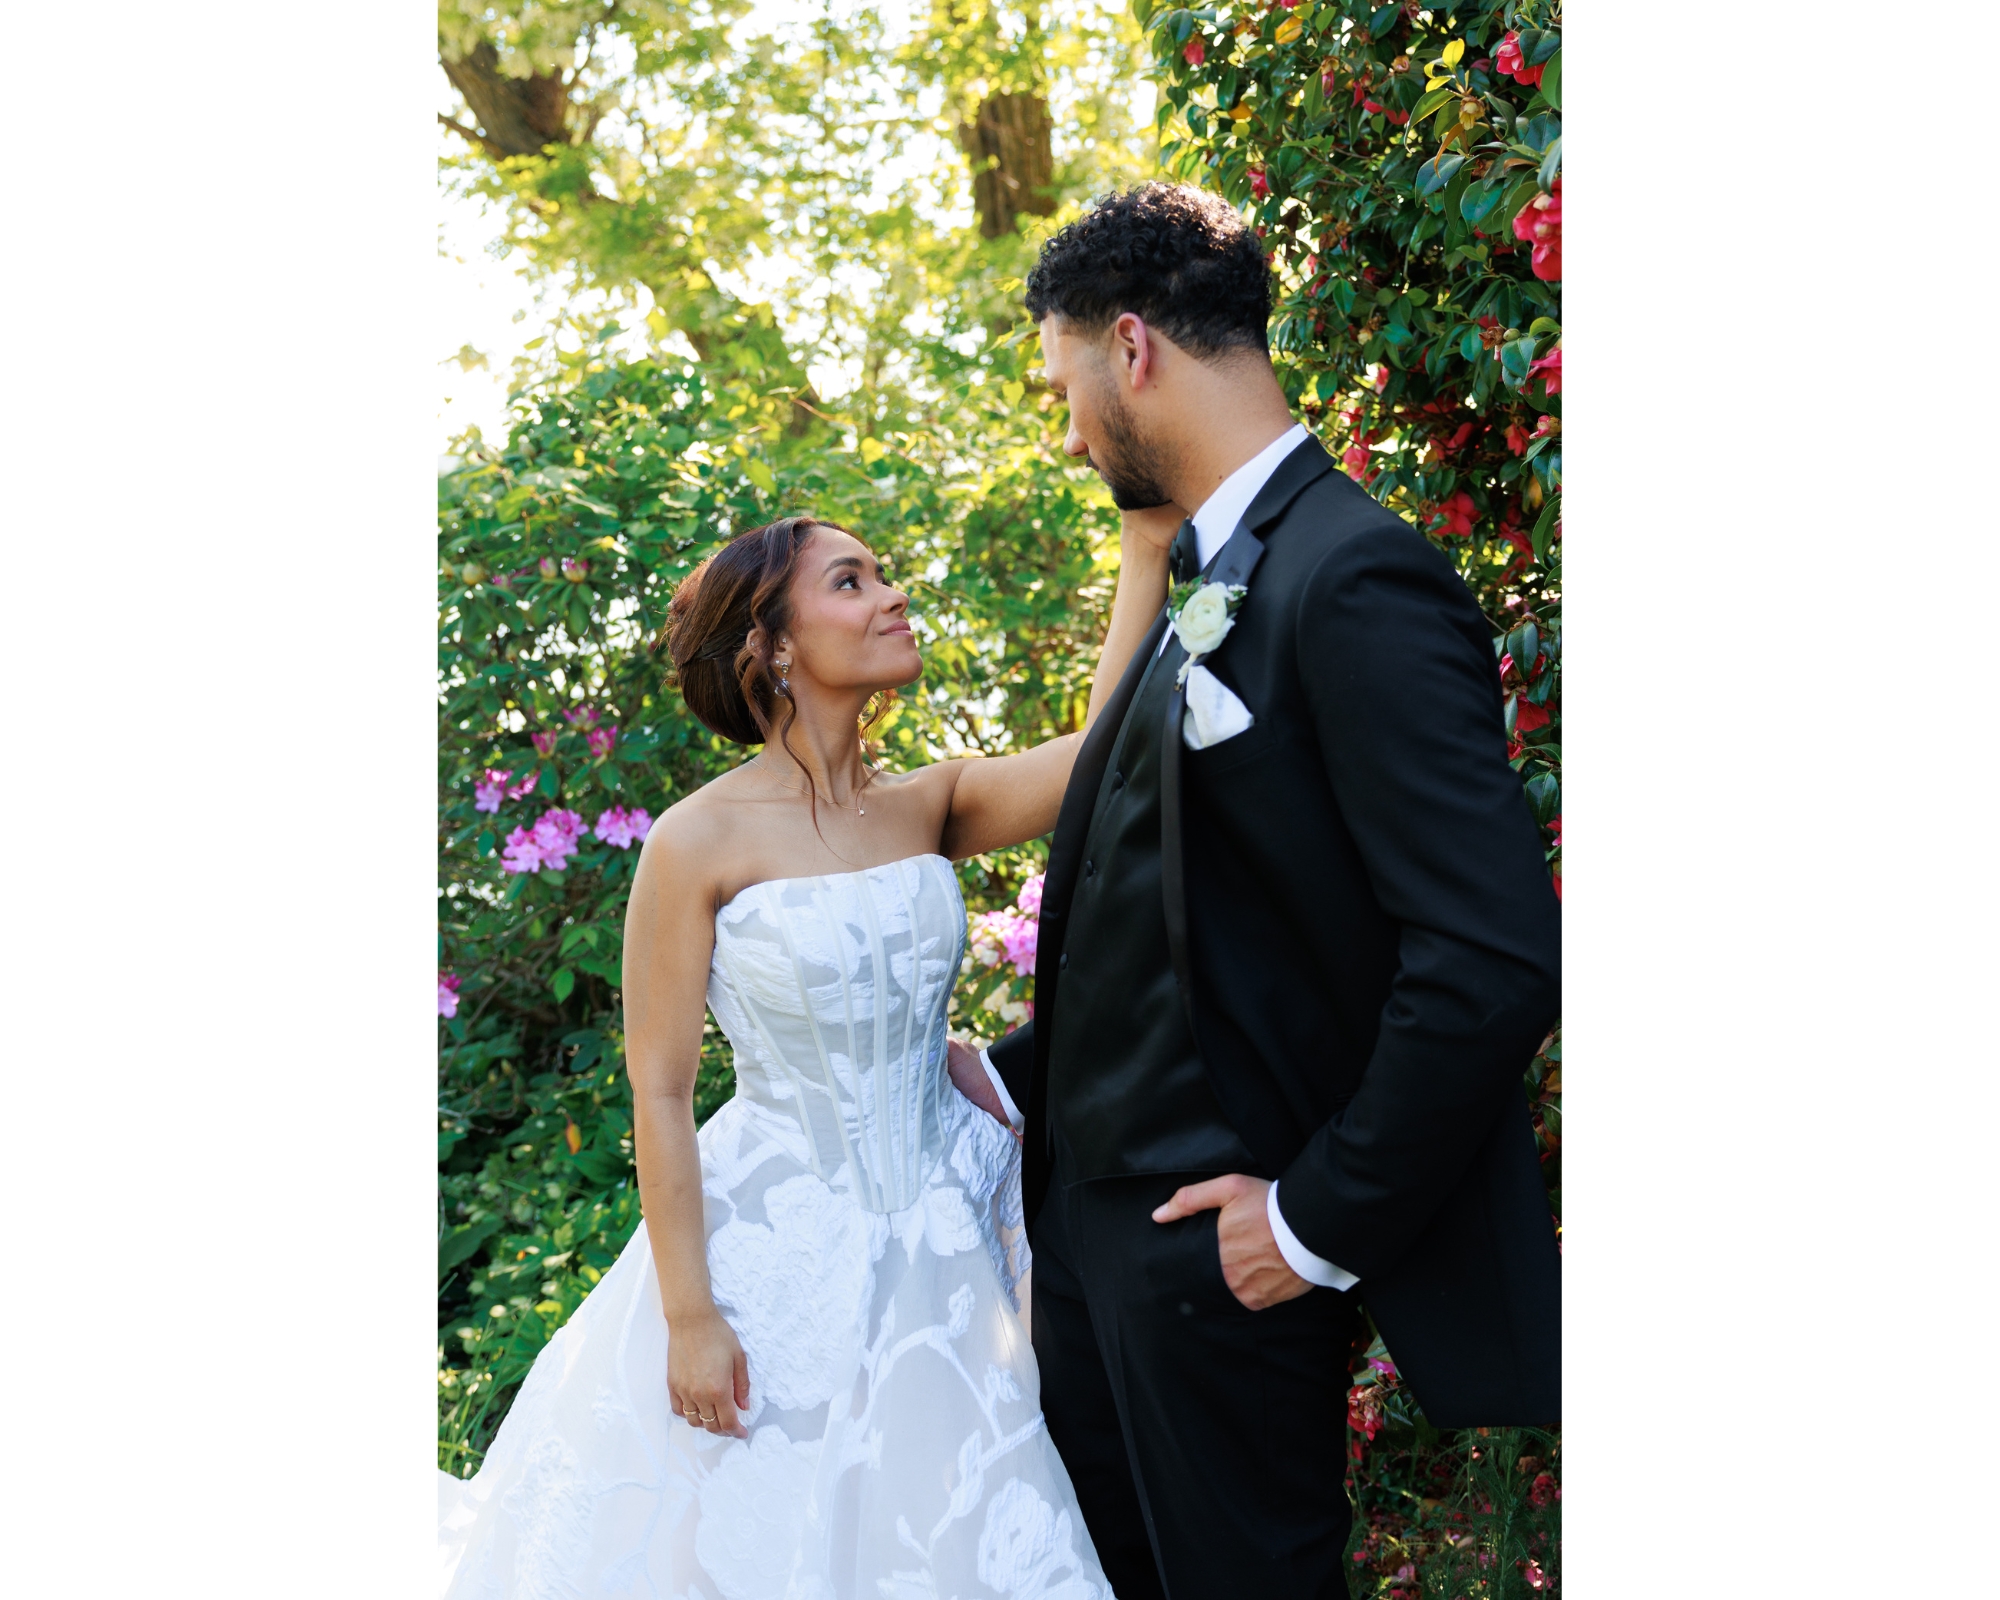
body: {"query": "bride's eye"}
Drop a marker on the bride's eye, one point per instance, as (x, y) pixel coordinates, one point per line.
(847, 580)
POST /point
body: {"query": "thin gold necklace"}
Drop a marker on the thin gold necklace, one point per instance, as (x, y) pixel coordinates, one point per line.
(858, 808)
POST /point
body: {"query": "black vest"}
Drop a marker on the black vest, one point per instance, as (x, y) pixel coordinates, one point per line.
(1127, 1088)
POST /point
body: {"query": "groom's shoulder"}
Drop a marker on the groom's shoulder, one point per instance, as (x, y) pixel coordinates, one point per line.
(1333, 520)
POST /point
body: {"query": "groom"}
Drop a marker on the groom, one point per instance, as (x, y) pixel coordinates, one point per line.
(1297, 946)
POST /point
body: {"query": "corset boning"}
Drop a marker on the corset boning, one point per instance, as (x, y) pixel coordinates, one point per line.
(835, 995)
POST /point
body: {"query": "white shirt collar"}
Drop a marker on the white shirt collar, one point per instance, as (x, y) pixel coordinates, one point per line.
(1218, 515)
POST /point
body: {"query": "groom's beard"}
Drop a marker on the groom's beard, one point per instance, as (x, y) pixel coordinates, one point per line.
(1129, 465)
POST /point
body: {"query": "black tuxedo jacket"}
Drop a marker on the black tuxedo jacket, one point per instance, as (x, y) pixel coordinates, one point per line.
(1372, 942)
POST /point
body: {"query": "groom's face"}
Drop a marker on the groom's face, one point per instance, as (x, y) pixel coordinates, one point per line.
(1082, 371)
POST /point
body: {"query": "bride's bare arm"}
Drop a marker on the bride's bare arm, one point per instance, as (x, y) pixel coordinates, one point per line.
(669, 938)
(1004, 800)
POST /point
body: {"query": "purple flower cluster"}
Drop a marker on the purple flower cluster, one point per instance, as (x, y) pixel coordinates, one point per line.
(492, 788)
(1015, 930)
(550, 843)
(623, 828)
(447, 994)
(555, 838)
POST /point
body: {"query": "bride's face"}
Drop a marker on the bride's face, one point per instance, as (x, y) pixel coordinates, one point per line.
(849, 629)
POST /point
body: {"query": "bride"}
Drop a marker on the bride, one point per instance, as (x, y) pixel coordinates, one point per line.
(805, 1378)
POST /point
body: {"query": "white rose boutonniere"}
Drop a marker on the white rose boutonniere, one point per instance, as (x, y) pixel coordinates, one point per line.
(1203, 614)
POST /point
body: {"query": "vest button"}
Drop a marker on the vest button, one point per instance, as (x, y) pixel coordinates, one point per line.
(1117, 781)
(1090, 869)
(1062, 962)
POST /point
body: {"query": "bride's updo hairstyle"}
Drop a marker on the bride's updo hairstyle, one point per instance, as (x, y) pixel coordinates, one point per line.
(723, 624)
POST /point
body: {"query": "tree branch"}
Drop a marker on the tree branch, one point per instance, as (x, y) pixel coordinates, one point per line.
(474, 136)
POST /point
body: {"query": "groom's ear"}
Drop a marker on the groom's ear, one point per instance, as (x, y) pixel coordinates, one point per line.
(1133, 351)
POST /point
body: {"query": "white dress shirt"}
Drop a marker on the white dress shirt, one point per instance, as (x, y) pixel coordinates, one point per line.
(1214, 521)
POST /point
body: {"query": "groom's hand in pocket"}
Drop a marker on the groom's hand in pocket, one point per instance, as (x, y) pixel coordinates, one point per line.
(1252, 1265)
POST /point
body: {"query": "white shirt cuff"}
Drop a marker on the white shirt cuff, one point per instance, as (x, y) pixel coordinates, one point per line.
(1014, 1118)
(1314, 1269)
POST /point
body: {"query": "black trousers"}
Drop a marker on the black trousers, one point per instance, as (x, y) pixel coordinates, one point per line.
(1207, 1442)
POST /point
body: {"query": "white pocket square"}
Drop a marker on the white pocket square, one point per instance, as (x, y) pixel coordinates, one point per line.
(1213, 712)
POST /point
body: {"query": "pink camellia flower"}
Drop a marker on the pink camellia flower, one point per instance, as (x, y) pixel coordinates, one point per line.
(1030, 897)
(1396, 118)
(1508, 59)
(1528, 716)
(1355, 459)
(1195, 53)
(1381, 378)
(1544, 1490)
(1458, 512)
(623, 828)
(1539, 223)
(547, 566)
(1550, 370)
(1517, 438)
(602, 739)
(1364, 1410)
(574, 570)
(1260, 184)
(544, 743)
(491, 789)
(1329, 78)
(447, 994)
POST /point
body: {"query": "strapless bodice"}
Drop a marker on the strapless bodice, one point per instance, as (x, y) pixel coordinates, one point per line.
(834, 993)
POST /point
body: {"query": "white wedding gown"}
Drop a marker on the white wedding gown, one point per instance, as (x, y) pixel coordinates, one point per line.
(865, 1242)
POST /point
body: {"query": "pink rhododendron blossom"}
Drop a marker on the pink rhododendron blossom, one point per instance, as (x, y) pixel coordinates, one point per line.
(544, 743)
(580, 717)
(602, 739)
(1014, 935)
(623, 828)
(547, 566)
(550, 843)
(574, 570)
(447, 994)
(491, 789)
(525, 786)
(1030, 897)
(521, 853)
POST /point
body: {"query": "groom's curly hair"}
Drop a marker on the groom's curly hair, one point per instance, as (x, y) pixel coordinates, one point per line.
(1184, 261)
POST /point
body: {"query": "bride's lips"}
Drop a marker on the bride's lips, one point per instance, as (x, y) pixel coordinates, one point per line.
(896, 627)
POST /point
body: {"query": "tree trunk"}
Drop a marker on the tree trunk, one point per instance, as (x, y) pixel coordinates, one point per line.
(1013, 161)
(517, 116)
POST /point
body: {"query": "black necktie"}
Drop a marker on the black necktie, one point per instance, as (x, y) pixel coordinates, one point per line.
(1184, 555)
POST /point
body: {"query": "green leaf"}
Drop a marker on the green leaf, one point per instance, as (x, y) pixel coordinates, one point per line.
(459, 1244)
(1479, 202)
(549, 784)
(1552, 80)
(1435, 173)
(760, 475)
(1430, 102)
(563, 982)
(1545, 526)
(1551, 163)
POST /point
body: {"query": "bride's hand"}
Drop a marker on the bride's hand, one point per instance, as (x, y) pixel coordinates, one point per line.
(969, 1078)
(1155, 526)
(708, 1379)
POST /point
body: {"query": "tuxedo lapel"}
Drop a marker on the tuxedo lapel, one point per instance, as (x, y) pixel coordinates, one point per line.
(1059, 889)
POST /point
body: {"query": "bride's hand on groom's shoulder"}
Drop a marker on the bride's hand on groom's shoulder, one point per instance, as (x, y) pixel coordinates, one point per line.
(1252, 1265)
(969, 1078)
(1154, 527)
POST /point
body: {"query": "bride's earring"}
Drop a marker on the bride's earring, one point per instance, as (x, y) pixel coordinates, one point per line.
(784, 683)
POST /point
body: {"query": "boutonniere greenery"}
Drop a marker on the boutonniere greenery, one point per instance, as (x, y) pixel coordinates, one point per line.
(1203, 614)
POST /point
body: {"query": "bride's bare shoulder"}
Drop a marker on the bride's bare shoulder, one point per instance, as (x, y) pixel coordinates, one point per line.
(696, 839)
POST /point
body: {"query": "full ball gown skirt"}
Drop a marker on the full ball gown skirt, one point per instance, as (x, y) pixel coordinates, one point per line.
(865, 1242)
